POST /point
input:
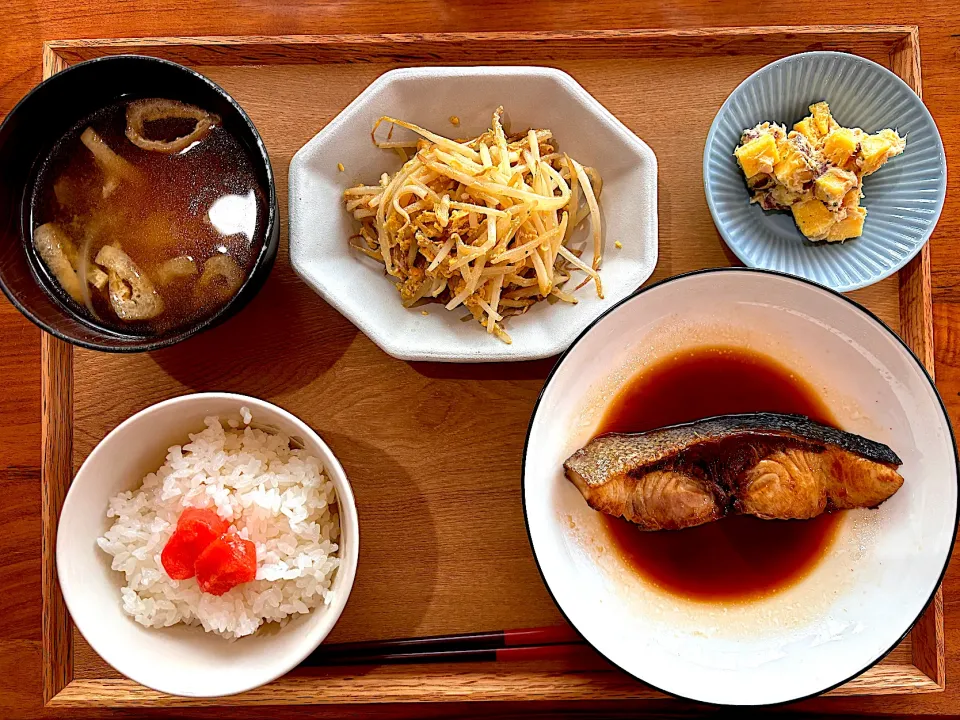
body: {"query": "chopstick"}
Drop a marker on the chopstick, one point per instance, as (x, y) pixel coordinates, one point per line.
(527, 652)
(499, 645)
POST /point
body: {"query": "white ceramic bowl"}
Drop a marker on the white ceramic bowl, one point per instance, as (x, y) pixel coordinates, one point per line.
(183, 660)
(532, 97)
(879, 574)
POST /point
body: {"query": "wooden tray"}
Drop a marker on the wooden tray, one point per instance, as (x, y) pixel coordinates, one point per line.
(444, 548)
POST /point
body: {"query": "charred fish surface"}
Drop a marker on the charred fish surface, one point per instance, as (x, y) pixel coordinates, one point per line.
(771, 465)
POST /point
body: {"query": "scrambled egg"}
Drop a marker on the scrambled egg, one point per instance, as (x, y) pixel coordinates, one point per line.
(816, 171)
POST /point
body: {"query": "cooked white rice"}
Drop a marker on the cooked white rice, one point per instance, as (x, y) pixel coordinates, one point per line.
(273, 495)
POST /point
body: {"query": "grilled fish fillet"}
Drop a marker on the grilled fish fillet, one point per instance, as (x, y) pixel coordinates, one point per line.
(771, 465)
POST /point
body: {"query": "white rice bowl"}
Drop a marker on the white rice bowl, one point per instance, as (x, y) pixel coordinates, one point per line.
(272, 494)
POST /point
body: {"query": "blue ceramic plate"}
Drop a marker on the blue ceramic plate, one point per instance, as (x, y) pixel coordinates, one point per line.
(903, 199)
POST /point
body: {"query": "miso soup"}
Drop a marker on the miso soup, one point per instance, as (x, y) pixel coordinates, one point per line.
(147, 216)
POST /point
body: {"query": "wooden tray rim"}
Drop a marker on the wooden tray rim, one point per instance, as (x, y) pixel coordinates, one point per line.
(60, 689)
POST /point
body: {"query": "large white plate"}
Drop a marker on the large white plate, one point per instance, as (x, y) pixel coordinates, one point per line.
(880, 573)
(532, 97)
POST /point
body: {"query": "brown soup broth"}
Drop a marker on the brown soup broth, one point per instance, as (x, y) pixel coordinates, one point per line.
(200, 202)
(738, 557)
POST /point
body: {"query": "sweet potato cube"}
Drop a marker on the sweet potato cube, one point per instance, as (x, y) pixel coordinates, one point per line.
(850, 227)
(758, 155)
(875, 150)
(793, 170)
(822, 119)
(813, 218)
(833, 185)
(808, 129)
(840, 146)
(852, 198)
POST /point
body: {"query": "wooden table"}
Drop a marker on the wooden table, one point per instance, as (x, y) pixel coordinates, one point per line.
(26, 23)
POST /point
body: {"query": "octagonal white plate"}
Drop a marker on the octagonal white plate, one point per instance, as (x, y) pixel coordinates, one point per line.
(532, 97)
(880, 573)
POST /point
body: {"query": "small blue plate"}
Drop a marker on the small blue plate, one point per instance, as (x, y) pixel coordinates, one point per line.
(903, 199)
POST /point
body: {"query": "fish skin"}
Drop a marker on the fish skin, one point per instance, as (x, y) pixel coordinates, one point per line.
(771, 465)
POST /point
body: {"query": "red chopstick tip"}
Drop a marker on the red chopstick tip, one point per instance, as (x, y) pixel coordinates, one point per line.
(557, 635)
